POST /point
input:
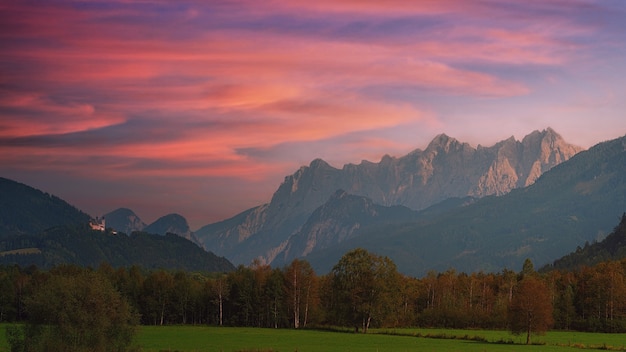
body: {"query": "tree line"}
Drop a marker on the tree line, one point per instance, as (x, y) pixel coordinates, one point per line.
(363, 290)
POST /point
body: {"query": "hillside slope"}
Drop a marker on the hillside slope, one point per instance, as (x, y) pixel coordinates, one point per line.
(26, 210)
(85, 247)
(613, 247)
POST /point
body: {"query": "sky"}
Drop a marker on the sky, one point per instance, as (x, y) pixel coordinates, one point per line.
(201, 108)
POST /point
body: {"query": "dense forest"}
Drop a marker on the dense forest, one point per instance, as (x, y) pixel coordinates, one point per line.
(362, 291)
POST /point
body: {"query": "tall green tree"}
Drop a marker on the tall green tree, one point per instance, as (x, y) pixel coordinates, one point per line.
(365, 285)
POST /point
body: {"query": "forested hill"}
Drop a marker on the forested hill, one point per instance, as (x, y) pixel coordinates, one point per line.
(82, 246)
(613, 247)
(40, 229)
(26, 210)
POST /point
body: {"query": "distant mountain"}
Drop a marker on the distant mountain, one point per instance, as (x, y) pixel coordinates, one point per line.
(85, 247)
(447, 168)
(26, 210)
(613, 247)
(574, 202)
(124, 220)
(172, 223)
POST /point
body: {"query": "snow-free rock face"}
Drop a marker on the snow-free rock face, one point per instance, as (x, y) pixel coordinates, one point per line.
(172, 223)
(228, 234)
(447, 168)
(124, 220)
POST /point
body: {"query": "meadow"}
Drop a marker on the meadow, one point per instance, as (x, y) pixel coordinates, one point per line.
(218, 339)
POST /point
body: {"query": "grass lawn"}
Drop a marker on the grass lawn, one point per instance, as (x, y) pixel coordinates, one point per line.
(205, 339)
(180, 338)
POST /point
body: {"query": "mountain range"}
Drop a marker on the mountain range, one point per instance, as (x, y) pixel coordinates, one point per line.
(446, 169)
(447, 206)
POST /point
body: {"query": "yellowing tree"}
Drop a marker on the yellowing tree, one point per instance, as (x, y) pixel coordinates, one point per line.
(531, 308)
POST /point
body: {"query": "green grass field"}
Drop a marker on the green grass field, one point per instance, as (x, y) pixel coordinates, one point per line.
(205, 339)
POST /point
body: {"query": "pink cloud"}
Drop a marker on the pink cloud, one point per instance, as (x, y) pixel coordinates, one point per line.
(152, 92)
(282, 88)
(36, 114)
(397, 7)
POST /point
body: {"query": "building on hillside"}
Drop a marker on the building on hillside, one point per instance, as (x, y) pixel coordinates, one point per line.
(97, 224)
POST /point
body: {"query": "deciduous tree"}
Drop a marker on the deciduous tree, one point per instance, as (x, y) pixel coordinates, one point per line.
(300, 287)
(531, 308)
(363, 285)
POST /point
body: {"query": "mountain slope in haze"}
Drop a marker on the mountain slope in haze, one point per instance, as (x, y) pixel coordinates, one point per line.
(124, 220)
(574, 202)
(338, 220)
(172, 223)
(82, 246)
(446, 168)
(345, 216)
(26, 210)
(613, 247)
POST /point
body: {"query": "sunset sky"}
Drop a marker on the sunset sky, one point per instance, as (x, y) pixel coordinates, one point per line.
(203, 107)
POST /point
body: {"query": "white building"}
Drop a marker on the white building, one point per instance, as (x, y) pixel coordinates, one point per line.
(97, 224)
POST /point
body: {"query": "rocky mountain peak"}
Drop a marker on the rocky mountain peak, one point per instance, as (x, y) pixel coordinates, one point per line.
(442, 142)
(544, 150)
(319, 164)
(124, 220)
(172, 223)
